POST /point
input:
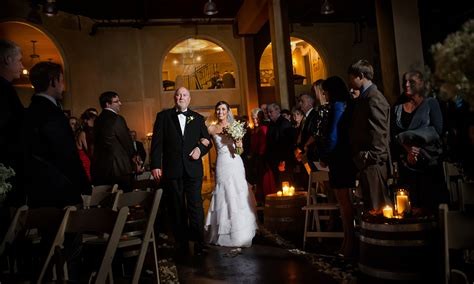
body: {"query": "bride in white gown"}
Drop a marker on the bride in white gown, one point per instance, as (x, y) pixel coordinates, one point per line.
(231, 219)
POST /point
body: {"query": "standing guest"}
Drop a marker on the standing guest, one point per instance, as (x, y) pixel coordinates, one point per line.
(278, 143)
(231, 219)
(264, 108)
(138, 148)
(88, 119)
(54, 173)
(370, 136)
(336, 153)
(180, 139)
(305, 144)
(262, 174)
(300, 176)
(416, 127)
(286, 114)
(74, 123)
(112, 161)
(83, 147)
(11, 116)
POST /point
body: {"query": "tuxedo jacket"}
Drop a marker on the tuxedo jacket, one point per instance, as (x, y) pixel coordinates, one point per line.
(54, 173)
(369, 134)
(170, 149)
(113, 148)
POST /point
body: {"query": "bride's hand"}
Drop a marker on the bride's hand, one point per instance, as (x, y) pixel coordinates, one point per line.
(238, 143)
(204, 142)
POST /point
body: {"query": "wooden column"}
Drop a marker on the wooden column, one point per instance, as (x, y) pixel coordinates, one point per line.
(282, 63)
(249, 74)
(398, 27)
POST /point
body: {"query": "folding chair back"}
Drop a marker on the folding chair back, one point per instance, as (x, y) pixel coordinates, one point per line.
(102, 221)
(457, 234)
(28, 239)
(150, 202)
(105, 199)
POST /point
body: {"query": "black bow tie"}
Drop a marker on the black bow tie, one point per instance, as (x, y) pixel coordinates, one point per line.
(186, 113)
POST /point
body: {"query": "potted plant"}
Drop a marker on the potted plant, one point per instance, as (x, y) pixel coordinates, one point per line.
(5, 186)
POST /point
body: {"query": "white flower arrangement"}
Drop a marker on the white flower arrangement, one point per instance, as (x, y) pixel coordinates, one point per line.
(454, 60)
(236, 130)
(5, 173)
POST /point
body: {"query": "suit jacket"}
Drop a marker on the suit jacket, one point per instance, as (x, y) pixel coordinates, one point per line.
(11, 120)
(140, 151)
(170, 149)
(279, 143)
(113, 148)
(54, 173)
(369, 133)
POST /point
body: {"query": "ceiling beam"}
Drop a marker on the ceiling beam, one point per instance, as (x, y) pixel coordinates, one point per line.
(252, 16)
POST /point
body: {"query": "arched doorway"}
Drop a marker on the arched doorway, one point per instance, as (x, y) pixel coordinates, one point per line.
(36, 46)
(308, 66)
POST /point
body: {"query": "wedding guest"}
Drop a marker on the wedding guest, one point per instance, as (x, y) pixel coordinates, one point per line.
(416, 128)
(54, 173)
(335, 152)
(113, 158)
(263, 176)
(369, 135)
(278, 143)
(11, 119)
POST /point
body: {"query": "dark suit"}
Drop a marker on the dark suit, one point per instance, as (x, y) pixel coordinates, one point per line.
(370, 138)
(113, 151)
(279, 144)
(54, 173)
(182, 175)
(11, 120)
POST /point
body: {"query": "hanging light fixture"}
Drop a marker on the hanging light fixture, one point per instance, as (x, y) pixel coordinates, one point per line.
(50, 8)
(210, 8)
(326, 8)
(34, 58)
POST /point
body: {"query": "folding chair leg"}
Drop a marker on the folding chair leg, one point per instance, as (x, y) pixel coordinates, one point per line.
(155, 259)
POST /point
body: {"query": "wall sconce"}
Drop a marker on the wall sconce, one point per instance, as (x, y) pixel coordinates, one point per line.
(326, 8)
(50, 8)
(210, 8)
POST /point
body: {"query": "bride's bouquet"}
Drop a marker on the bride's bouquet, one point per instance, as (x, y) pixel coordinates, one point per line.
(236, 130)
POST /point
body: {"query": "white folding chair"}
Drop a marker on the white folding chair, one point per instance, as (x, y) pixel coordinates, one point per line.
(104, 222)
(457, 234)
(149, 202)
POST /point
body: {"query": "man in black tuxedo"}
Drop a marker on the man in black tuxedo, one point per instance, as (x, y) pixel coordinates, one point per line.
(306, 141)
(11, 117)
(113, 159)
(138, 148)
(54, 174)
(179, 141)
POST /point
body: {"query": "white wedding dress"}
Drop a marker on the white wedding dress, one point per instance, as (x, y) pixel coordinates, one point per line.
(231, 219)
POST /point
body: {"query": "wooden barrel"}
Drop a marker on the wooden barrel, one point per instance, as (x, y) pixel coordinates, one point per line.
(283, 214)
(398, 249)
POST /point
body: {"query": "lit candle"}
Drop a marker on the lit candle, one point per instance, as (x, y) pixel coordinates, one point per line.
(388, 212)
(285, 184)
(286, 190)
(292, 190)
(279, 193)
(402, 202)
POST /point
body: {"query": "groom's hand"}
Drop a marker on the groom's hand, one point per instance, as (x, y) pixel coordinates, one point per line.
(195, 153)
(156, 173)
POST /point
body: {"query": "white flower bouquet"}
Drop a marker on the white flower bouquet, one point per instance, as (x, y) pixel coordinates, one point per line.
(236, 130)
(5, 173)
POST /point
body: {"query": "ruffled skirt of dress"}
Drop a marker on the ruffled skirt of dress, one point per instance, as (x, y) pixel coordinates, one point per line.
(231, 219)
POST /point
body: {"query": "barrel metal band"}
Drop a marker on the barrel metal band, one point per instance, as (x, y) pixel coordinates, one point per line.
(393, 243)
(397, 227)
(385, 274)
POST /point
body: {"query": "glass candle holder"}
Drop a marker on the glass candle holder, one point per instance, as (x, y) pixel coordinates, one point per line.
(402, 201)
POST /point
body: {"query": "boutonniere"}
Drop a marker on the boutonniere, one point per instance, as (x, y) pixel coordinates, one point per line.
(189, 119)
